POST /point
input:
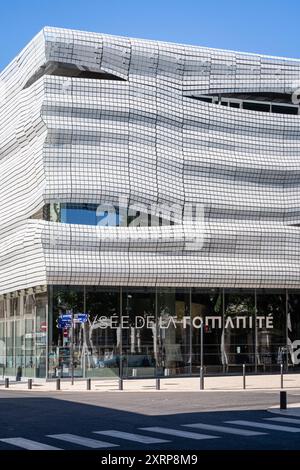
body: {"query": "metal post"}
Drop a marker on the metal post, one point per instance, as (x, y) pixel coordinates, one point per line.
(57, 384)
(281, 375)
(244, 376)
(201, 378)
(121, 342)
(89, 384)
(201, 352)
(120, 383)
(29, 384)
(157, 383)
(255, 333)
(7, 382)
(72, 347)
(283, 400)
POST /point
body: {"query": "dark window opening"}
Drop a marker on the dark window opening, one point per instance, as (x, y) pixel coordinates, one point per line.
(272, 97)
(205, 99)
(252, 101)
(284, 109)
(233, 104)
(256, 106)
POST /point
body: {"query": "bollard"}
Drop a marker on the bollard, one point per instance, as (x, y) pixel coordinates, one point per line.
(57, 384)
(201, 378)
(134, 372)
(281, 375)
(120, 384)
(157, 384)
(29, 384)
(89, 384)
(283, 400)
(244, 376)
(7, 383)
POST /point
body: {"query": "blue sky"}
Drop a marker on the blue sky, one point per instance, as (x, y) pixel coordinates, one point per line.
(262, 26)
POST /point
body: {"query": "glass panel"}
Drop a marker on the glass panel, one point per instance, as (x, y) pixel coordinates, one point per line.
(29, 338)
(84, 214)
(66, 299)
(173, 317)
(293, 329)
(29, 348)
(101, 335)
(41, 333)
(2, 336)
(19, 347)
(106, 215)
(239, 329)
(207, 305)
(10, 344)
(271, 334)
(139, 340)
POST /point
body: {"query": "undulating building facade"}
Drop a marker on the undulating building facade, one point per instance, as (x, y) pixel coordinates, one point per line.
(147, 190)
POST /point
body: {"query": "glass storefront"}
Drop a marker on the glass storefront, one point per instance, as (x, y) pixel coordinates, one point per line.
(147, 332)
(293, 329)
(271, 342)
(139, 332)
(173, 331)
(239, 329)
(23, 334)
(207, 305)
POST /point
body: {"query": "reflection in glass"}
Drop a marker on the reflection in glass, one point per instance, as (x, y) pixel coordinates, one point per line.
(64, 340)
(239, 328)
(271, 342)
(173, 317)
(101, 334)
(139, 340)
(293, 329)
(207, 303)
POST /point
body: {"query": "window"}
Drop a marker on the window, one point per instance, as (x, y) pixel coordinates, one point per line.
(284, 109)
(268, 102)
(256, 106)
(103, 215)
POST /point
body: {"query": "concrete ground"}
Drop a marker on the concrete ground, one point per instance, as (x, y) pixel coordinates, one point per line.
(159, 421)
(175, 384)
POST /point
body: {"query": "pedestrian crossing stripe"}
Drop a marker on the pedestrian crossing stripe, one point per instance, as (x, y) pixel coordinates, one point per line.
(224, 429)
(268, 424)
(82, 441)
(179, 433)
(131, 436)
(28, 444)
(273, 427)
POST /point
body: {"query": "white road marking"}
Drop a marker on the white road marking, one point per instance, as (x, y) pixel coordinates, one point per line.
(83, 441)
(273, 427)
(28, 444)
(131, 436)
(178, 433)
(285, 420)
(225, 429)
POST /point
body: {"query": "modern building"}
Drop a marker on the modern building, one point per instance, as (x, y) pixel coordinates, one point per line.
(99, 136)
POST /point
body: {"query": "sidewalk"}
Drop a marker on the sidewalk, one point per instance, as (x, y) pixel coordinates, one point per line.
(175, 384)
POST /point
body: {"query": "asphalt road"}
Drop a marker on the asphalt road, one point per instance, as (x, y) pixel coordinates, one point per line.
(89, 420)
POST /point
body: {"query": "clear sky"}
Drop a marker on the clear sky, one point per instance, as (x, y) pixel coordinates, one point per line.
(262, 26)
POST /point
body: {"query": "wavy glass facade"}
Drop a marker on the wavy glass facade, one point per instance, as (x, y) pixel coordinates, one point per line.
(92, 126)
